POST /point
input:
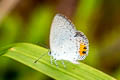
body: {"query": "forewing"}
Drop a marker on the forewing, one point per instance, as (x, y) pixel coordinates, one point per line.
(61, 30)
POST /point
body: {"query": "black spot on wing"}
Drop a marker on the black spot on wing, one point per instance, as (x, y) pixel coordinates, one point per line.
(85, 48)
(84, 52)
(79, 34)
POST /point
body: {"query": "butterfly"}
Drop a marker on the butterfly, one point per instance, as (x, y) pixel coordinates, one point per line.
(67, 43)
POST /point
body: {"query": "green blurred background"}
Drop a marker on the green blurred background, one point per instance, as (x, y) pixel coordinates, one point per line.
(30, 21)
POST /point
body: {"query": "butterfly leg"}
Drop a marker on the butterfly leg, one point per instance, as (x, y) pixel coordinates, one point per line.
(51, 59)
(63, 64)
(56, 63)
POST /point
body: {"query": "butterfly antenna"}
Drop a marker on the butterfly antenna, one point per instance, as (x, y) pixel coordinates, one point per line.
(41, 44)
(40, 57)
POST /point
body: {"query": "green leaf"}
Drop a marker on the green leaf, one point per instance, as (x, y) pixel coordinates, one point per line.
(9, 29)
(4, 49)
(39, 25)
(27, 53)
(117, 74)
(84, 13)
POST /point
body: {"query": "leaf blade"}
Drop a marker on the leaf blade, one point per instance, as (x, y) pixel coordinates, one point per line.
(28, 53)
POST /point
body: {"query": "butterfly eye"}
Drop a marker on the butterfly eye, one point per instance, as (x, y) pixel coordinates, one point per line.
(84, 52)
(49, 52)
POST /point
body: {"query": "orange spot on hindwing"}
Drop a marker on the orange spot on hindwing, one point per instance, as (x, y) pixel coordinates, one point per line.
(83, 49)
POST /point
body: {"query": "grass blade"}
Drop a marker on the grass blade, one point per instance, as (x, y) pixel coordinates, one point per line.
(27, 53)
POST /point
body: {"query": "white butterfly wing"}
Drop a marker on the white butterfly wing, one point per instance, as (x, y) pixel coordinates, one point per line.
(63, 43)
(61, 30)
